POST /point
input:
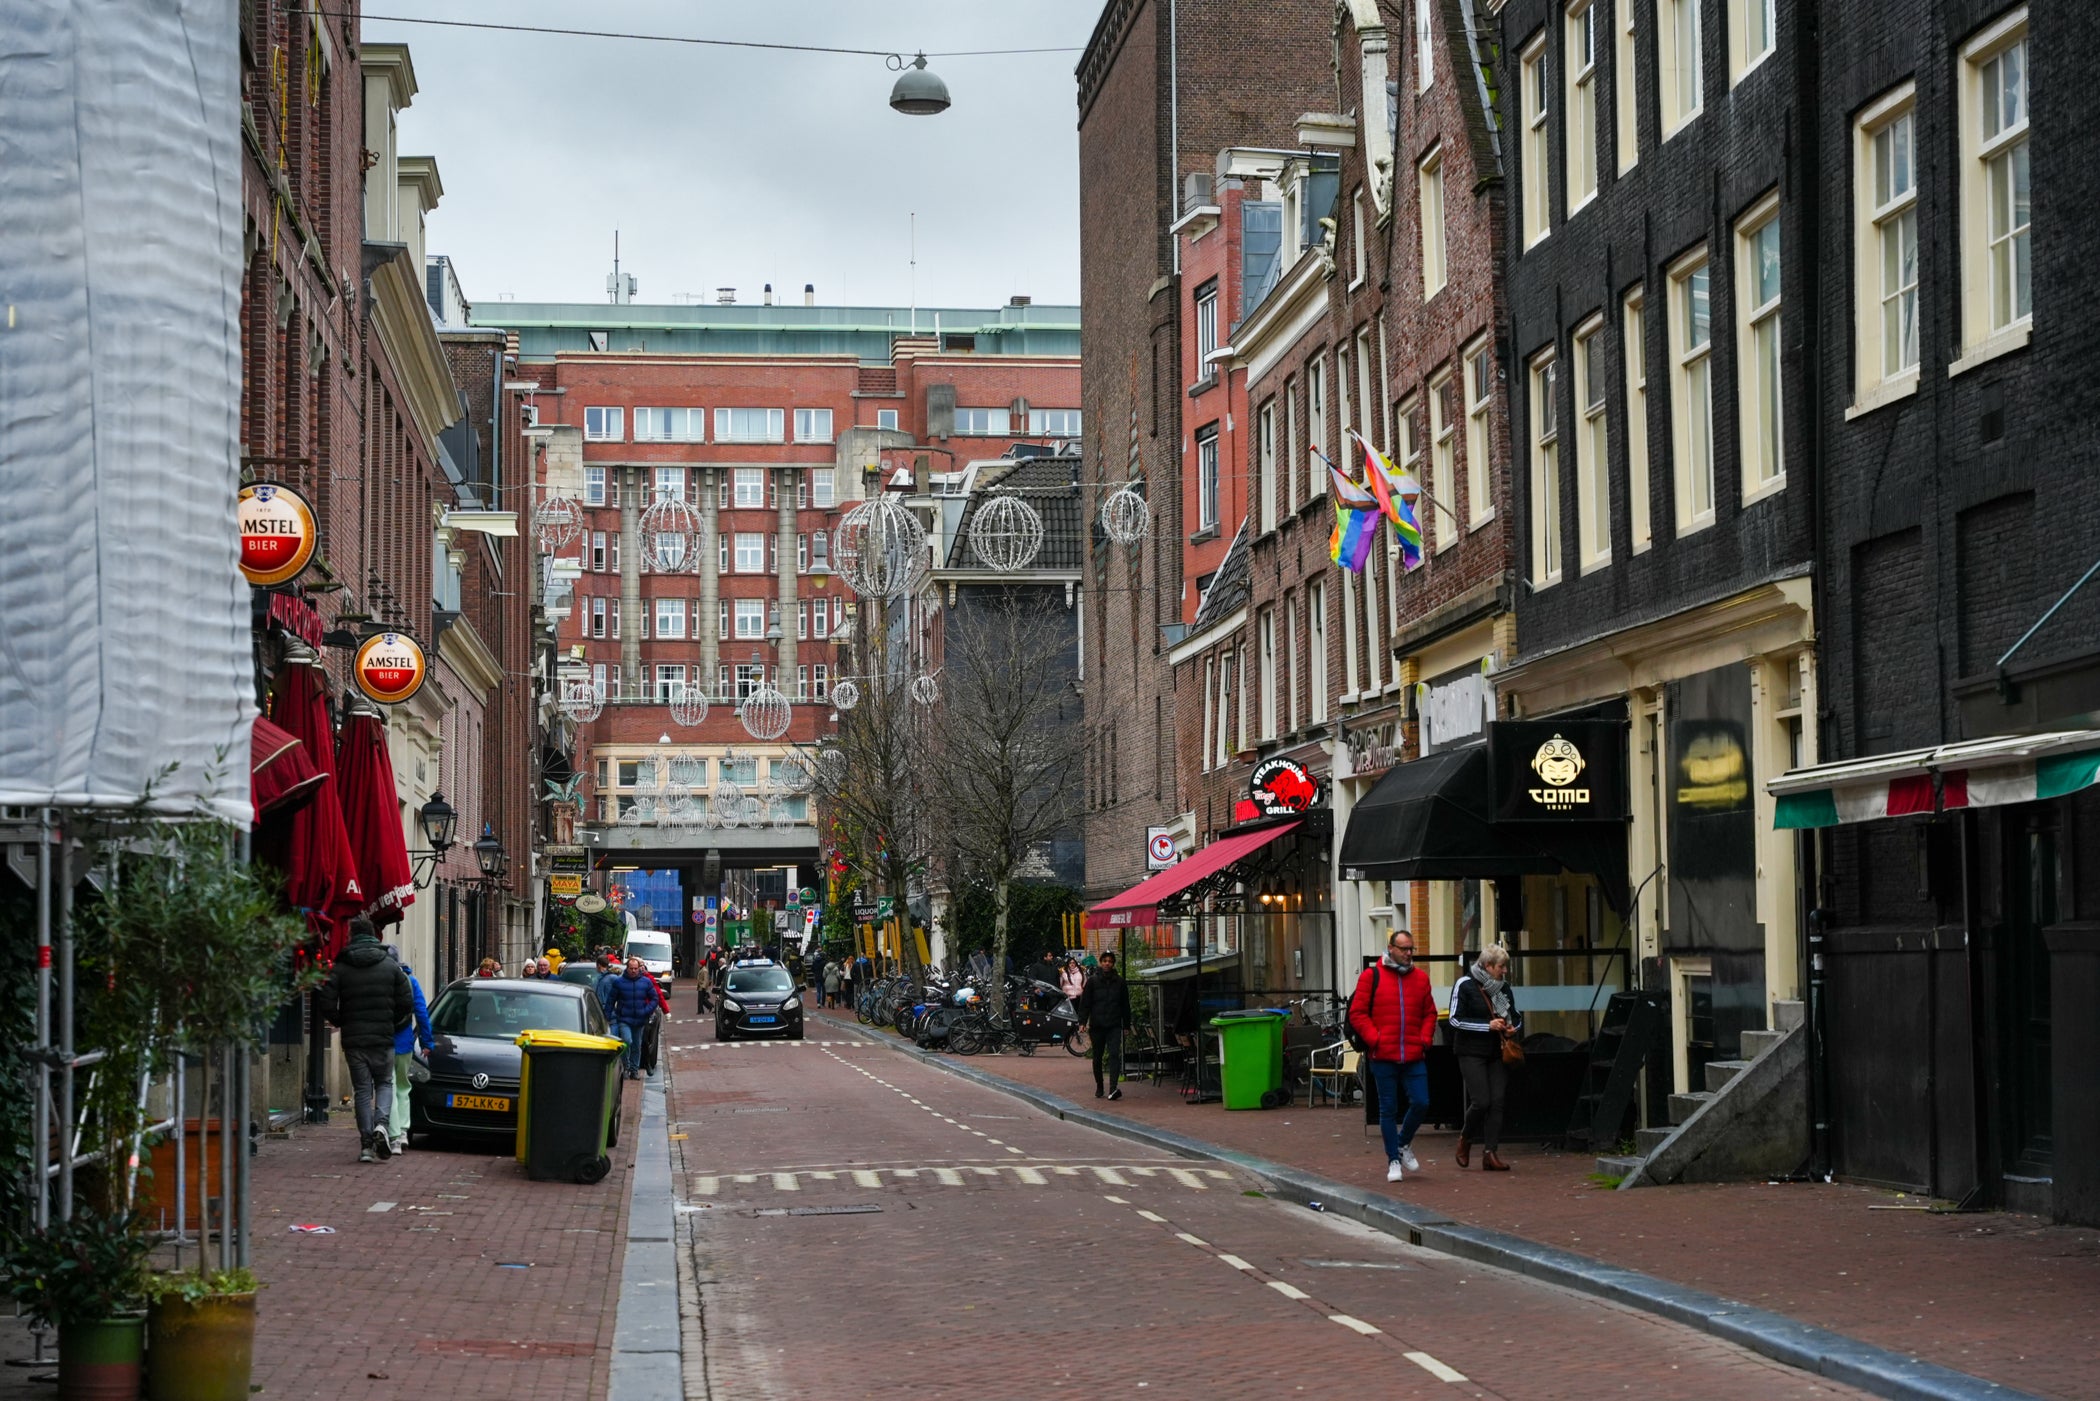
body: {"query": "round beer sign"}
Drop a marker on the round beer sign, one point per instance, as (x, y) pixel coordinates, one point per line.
(389, 667)
(277, 533)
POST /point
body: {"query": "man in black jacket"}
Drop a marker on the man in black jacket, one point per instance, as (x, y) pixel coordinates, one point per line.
(1105, 1004)
(367, 996)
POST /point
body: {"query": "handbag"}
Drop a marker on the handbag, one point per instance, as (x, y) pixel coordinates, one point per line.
(1512, 1053)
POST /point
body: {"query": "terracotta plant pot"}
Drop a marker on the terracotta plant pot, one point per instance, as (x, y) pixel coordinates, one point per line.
(202, 1351)
(99, 1360)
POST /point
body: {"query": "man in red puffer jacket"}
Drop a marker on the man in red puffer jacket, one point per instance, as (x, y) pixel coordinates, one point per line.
(1393, 1013)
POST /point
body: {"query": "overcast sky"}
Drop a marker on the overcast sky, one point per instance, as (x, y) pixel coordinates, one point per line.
(738, 167)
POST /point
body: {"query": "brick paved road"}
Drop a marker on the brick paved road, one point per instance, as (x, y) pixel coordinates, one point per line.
(861, 1224)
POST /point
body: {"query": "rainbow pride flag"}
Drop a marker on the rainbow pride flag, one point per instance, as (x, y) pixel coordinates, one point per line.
(1355, 523)
(1396, 493)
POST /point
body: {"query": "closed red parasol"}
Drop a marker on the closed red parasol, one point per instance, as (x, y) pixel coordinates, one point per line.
(281, 779)
(373, 815)
(310, 846)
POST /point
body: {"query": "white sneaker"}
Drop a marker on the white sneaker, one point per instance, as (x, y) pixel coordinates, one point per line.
(1393, 1171)
(400, 1145)
(1408, 1159)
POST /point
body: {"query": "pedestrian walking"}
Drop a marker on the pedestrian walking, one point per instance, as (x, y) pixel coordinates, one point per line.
(1393, 1015)
(367, 997)
(815, 964)
(489, 969)
(607, 971)
(416, 1033)
(1484, 1024)
(834, 983)
(632, 999)
(1072, 981)
(1104, 1004)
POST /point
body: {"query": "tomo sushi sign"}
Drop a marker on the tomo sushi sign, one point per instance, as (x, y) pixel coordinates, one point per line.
(390, 667)
(277, 533)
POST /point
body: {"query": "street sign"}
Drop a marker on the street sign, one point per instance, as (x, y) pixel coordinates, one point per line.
(809, 895)
(864, 912)
(885, 906)
(1160, 852)
(591, 904)
(570, 886)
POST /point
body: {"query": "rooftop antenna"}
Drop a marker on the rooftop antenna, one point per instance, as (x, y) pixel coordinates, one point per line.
(621, 289)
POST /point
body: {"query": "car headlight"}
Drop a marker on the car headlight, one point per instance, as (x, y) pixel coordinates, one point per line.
(730, 1004)
(791, 1004)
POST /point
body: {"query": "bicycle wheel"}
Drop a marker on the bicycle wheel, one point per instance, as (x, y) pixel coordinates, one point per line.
(1077, 1042)
(964, 1038)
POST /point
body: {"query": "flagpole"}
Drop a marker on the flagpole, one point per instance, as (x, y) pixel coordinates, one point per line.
(1420, 490)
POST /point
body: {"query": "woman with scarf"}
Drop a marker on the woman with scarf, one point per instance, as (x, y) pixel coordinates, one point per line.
(1483, 1012)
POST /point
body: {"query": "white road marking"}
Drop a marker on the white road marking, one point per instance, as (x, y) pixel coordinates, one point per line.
(1154, 1217)
(1435, 1368)
(1288, 1291)
(825, 1176)
(1197, 1241)
(785, 1182)
(1146, 1171)
(706, 1186)
(1117, 1200)
(1353, 1324)
(1188, 1179)
(745, 1179)
(1235, 1261)
(948, 1177)
(864, 1178)
(379, 1206)
(1111, 1177)
(1030, 1176)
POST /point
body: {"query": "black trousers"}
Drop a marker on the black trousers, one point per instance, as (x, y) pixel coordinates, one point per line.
(1487, 1085)
(1108, 1047)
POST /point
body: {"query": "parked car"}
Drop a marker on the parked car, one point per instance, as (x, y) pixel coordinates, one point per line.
(653, 948)
(476, 1064)
(758, 999)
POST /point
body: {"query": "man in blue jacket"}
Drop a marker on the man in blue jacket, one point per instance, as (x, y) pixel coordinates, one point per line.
(417, 1032)
(630, 1001)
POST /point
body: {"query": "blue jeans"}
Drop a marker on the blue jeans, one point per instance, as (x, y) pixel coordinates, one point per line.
(631, 1053)
(1390, 1077)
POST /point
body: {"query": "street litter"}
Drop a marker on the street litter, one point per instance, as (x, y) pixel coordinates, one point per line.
(312, 1230)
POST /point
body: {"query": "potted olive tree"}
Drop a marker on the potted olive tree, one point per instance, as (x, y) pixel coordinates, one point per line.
(86, 1276)
(194, 945)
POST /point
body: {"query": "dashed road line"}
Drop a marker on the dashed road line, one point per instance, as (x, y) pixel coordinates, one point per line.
(1355, 1325)
(1235, 1261)
(1435, 1368)
(1287, 1290)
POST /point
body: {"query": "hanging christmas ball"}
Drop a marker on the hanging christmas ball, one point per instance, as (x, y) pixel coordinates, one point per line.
(557, 521)
(879, 549)
(845, 695)
(925, 690)
(1006, 534)
(1125, 515)
(688, 704)
(670, 531)
(582, 701)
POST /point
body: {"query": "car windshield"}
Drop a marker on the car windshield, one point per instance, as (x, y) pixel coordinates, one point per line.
(503, 1012)
(650, 950)
(760, 980)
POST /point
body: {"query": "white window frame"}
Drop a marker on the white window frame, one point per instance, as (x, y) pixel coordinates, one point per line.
(1206, 329)
(750, 425)
(1429, 182)
(1691, 382)
(1887, 126)
(748, 616)
(668, 482)
(749, 551)
(1753, 35)
(598, 549)
(1480, 396)
(820, 680)
(1316, 652)
(1590, 398)
(823, 487)
(1294, 459)
(670, 619)
(1443, 506)
(594, 486)
(1055, 423)
(604, 423)
(1368, 396)
(1678, 39)
(1268, 673)
(670, 682)
(971, 422)
(1626, 86)
(670, 425)
(1351, 583)
(598, 612)
(1425, 54)
(1579, 63)
(1991, 328)
(1359, 250)
(1633, 353)
(748, 488)
(1207, 477)
(820, 620)
(1210, 713)
(1290, 627)
(1535, 117)
(1316, 425)
(1542, 375)
(887, 419)
(813, 426)
(1265, 462)
(1760, 396)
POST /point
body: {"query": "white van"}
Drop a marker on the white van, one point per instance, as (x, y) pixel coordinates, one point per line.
(653, 948)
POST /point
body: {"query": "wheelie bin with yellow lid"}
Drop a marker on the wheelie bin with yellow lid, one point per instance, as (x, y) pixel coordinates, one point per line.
(567, 1101)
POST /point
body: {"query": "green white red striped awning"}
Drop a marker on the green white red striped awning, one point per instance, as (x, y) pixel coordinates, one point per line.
(1973, 774)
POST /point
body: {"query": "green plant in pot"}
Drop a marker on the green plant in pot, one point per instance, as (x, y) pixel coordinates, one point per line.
(87, 1277)
(203, 1335)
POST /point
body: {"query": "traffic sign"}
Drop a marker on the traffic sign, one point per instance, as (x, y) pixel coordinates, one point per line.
(1160, 851)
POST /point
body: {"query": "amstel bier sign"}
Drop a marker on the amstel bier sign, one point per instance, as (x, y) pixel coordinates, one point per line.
(277, 533)
(390, 667)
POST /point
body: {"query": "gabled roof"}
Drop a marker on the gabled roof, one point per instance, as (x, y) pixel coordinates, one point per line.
(1230, 587)
(1044, 483)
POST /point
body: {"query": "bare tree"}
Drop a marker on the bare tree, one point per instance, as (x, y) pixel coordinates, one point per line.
(1005, 755)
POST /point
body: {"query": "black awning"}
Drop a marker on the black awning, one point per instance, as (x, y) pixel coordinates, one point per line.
(1429, 820)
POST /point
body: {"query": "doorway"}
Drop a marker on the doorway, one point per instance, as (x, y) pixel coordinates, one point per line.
(2023, 980)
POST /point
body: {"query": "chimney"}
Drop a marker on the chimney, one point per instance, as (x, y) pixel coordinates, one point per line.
(1018, 300)
(769, 294)
(809, 294)
(725, 295)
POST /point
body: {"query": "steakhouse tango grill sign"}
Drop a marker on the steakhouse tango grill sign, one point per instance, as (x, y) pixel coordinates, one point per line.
(390, 667)
(1279, 786)
(277, 533)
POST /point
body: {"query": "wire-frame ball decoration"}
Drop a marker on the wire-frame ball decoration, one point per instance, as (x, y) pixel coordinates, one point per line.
(687, 770)
(689, 704)
(1006, 534)
(557, 521)
(754, 810)
(879, 549)
(582, 701)
(778, 813)
(845, 695)
(831, 769)
(630, 812)
(925, 690)
(648, 774)
(670, 531)
(727, 803)
(1125, 515)
(766, 714)
(794, 774)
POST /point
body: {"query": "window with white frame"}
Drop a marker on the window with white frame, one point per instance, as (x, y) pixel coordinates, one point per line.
(1207, 477)
(822, 492)
(1633, 349)
(1350, 627)
(750, 487)
(1265, 462)
(750, 552)
(813, 425)
(598, 552)
(1758, 406)
(1439, 512)
(1243, 672)
(750, 425)
(820, 681)
(1267, 644)
(1367, 393)
(1997, 298)
(1374, 636)
(1579, 57)
(983, 423)
(604, 425)
(1885, 161)
(1290, 686)
(750, 617)
(886, 418)
(801, 683)
(1293, 445)
(598, 681)
(670, 483)
(1677, 63)
(1545, 470)
(1592, 472)
(594, 486)
(612, 552)
(1692, 392)
(598, 612)
(670, 618)
(670, 682)
(1342, 402)
(1429, 181)
(1753, 32)
(820, 622)
(801, 620)
(1210, 713)
(1626, 86)
(1480, 384)
(1532, 93)
(750, 676)
(1223, 753)
(1359, 248)
(1425, 55)
(670, 425)
(1316, 651)
(1316, 426)
(1054, 423)
(1206, 328)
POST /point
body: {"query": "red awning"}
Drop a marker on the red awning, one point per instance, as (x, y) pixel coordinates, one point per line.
(1137, 905)
(281, 778)
(373, 815)
(310, 845)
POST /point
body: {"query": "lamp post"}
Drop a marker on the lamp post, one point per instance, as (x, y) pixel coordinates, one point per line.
(439, 821)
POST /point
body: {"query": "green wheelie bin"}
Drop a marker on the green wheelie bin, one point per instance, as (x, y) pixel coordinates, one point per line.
(567, 1096)
(1250, 1057)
